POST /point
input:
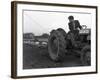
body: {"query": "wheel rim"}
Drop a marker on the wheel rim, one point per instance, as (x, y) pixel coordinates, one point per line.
(54, 43)
(54, 46)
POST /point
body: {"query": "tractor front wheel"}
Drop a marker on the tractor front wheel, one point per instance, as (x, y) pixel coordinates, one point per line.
(86, 55)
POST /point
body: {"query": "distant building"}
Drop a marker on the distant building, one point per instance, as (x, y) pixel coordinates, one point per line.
(28, 36)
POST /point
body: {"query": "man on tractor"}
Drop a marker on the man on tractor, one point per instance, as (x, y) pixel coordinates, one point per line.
(74, 27)
(77, 41)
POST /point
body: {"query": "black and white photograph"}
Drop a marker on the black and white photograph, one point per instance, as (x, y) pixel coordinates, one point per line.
(54, 39)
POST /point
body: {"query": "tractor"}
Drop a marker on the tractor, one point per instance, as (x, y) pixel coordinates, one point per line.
(61, 43)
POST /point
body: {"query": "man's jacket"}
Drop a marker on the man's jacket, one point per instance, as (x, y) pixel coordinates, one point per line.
(74, 25)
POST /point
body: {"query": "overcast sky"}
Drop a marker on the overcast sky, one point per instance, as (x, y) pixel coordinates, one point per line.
(39, 22)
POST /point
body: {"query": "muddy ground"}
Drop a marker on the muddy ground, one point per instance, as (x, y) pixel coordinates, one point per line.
(35, 57)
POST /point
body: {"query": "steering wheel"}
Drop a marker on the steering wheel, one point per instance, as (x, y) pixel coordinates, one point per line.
(84, 26)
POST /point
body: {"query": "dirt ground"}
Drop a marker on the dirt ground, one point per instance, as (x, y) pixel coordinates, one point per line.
(34, 57)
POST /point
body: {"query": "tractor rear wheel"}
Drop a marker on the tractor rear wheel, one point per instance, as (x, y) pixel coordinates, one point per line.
(86, 55)
(56, 45)
(62, 31)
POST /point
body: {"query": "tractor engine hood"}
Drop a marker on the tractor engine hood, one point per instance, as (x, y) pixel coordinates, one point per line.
(85, 31)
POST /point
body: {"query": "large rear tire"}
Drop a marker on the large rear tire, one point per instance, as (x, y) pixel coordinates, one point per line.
(56, 45)
(62, 32)
(86, 55)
